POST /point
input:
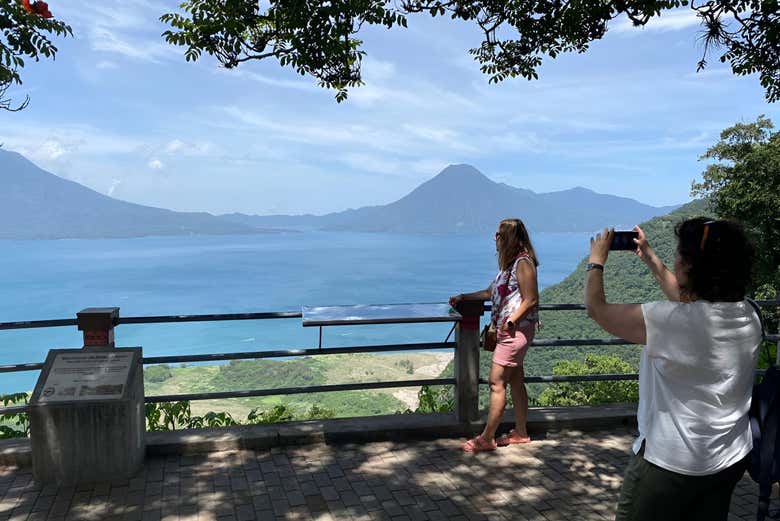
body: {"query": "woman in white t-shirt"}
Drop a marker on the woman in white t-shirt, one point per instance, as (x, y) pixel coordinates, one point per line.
(696, 371)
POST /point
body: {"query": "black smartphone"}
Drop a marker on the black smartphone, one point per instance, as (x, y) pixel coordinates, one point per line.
(624, 240)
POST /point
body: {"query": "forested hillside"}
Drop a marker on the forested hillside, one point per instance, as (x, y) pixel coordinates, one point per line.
(626, 278)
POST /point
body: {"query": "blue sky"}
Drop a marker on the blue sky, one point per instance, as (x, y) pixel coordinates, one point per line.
(122, 112)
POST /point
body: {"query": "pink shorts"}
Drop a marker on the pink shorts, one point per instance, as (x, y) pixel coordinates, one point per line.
(511, 347)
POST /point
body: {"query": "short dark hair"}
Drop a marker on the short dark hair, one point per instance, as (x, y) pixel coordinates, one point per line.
(720, 257)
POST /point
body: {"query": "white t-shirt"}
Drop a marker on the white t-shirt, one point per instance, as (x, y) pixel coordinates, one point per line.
(695, 382)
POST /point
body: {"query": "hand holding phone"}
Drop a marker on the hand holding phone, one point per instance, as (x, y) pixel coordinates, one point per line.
(624, 240)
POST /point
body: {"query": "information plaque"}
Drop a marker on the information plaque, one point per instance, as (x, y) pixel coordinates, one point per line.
(87, 421)
(85, 375)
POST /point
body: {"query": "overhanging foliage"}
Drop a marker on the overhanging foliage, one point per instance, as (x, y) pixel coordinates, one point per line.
(320, 38)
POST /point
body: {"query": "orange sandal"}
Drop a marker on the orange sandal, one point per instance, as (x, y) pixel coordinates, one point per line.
(512, 438)
(479, 444)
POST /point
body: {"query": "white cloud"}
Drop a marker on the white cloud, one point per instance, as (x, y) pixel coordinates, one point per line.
(128, 28)
(155, 164)
(187, 149)
(174, 146)
(668, 21)
(520, 141)
(435, 134)
(429, 167)
(114, 184)
(53, 150)
(105, 64)
(370, 163)
(105, 40)
(373, 69)
(307, 84)
(47, 142)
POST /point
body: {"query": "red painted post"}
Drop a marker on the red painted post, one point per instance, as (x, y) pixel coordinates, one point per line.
(98, 324)
(467, 361)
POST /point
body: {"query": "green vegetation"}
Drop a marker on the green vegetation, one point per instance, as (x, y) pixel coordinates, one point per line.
(590, 393)
(157, 373)
(434, 399)
(25, 32)
(298, 373)
(14, 425)
(320, 39)
(744, 184)
(178, 415)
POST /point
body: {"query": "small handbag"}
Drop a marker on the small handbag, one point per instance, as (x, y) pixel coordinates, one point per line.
(489, 337)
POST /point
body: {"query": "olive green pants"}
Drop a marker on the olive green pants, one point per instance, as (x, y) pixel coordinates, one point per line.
(650, 493)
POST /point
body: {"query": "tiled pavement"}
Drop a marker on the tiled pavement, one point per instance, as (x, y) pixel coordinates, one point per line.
(565, 475)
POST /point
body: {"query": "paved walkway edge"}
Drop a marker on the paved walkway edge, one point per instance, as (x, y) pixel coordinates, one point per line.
(344, 430)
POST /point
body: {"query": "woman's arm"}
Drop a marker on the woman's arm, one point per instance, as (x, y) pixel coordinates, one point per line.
(622, 320)
(666, 279)
(529, 289)
(483, 295)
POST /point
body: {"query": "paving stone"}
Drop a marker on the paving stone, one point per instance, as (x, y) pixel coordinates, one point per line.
(376, 481)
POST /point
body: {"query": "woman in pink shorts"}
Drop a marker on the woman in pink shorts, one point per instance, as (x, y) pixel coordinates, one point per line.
(514, 294)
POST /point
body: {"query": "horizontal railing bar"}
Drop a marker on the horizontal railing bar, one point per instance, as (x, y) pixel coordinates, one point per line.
(15, 409)
(20, 367)
(589, 377)
(575, 378)
(581, 307)
(359, 386)
(553, 342)
(32, 324)
(214, 357)
(297, 390)
(297, 352)
(379, 321)
(582, 378)
(210, 317)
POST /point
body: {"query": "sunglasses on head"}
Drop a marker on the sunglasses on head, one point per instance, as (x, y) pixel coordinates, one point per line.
(705, 234)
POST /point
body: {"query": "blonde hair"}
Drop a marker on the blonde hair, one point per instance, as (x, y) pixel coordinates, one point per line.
(514, 241)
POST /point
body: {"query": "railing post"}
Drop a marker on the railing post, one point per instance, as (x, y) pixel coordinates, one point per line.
(467, 361)
(777, 311)
(98, 326)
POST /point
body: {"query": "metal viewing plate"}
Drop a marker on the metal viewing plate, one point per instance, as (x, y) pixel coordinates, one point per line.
(81, 376)
(378, 314)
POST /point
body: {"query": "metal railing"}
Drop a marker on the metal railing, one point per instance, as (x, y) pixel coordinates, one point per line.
(286, 353)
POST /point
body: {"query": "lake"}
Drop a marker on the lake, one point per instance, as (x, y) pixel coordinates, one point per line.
(239, 274)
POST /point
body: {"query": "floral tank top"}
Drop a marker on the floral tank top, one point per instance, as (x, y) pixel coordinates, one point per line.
(506, 297)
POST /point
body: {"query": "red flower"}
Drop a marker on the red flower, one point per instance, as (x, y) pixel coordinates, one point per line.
(40, 8)
(503, 290)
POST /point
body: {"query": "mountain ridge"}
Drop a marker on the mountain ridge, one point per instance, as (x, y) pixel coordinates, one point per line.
(36, 204)
(462, 199)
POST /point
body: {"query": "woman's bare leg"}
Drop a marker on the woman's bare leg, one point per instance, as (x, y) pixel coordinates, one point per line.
(500, 376)
(520, 401)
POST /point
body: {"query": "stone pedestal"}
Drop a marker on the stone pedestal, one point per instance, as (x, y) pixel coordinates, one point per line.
(87, 420)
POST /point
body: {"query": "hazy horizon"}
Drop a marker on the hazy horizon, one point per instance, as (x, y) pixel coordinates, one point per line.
(346, 208)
